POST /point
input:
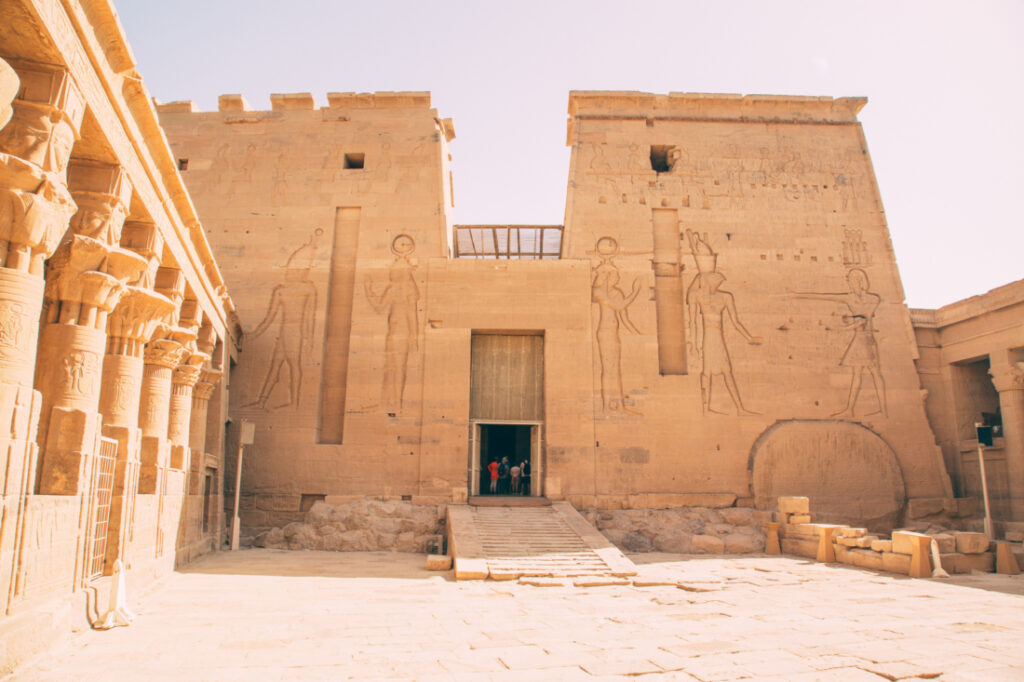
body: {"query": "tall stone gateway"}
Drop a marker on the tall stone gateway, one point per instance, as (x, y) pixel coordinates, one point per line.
(722, 322)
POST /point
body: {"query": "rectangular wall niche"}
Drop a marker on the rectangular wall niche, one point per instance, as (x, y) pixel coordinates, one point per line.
(668, 293)
(354, 160)
(340, 288)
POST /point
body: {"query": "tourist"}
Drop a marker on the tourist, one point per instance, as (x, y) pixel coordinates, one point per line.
(514, 474)
(524, 474)
(493, 468)
(503, 476)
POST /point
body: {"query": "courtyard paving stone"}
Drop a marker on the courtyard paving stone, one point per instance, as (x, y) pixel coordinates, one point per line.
(273, 614)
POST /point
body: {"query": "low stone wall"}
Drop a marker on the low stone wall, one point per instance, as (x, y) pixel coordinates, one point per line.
(361, 525)
(686, 530)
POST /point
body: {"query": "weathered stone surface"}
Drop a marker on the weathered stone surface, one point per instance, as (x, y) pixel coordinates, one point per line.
(707, 544)
(794, 505)
(360, 525)
(971, 543)
(946, 542)
(737, 530)
(848, 471)
(896, 563)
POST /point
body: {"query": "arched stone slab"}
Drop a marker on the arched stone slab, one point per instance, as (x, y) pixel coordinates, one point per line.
(850, 474)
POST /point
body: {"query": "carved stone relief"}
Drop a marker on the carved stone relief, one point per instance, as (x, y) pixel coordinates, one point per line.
(709, 308)
(613, 315)
(291, 318)
(35, 147)
(861, 354)
(398, 301)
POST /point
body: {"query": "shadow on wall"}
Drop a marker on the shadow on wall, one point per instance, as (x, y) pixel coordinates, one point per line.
(846, 468)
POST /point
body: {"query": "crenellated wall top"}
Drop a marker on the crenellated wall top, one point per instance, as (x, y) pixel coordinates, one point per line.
(305, 101)
(619, 104)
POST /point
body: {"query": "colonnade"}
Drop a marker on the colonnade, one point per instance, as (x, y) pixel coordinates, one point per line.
(101, 348)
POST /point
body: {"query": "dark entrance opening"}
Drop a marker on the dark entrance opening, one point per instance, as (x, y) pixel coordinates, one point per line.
(500, 441)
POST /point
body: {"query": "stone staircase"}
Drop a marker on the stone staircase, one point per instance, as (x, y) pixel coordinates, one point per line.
(507, 543)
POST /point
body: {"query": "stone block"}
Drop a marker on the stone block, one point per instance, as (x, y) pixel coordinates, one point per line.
(794, 505)
(847, 542)
(861, 558)
(438, 562)
(800, 547)
(799, 518)
(920, 507)
(881, 545)
(896, 563)
(971, 543)
(904, 541)
(848, 532)
(1006, 562)
(985, 562)
(946, 541)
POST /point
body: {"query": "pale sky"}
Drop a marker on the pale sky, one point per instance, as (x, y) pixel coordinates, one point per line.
(943, 80)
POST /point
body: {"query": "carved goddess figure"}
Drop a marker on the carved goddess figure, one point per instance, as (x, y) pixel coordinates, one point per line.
(613, 313)
(861, 355)
(398, 303)
(709, 307)
(291, 313)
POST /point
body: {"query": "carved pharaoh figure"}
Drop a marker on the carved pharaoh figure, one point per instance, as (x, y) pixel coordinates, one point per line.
(291, 315)
(398, 302)
(709, 307)
(861, 354)
(613, 314)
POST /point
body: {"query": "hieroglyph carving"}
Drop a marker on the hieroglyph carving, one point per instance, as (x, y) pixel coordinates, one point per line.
(613, 314)
(709, 307)
(398, 302)
(291, 316)
(861, 354)
(79, 373)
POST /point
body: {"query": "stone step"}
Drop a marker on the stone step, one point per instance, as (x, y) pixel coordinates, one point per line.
(509, 542)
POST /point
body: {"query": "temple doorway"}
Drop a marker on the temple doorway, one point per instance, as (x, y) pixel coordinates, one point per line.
(519, 444)
(506, 411)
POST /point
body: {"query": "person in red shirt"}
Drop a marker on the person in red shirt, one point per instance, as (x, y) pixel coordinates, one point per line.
(493, 468)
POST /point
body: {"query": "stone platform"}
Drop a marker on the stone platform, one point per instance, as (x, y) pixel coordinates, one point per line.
(505, 543)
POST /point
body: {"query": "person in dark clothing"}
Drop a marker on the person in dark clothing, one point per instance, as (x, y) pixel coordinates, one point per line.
(524, 477)
(503, 476)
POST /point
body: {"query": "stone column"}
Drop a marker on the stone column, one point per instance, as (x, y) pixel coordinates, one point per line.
(182, 382)
(201, 395)
(132, 324)
(1008, 379)
(85, 282)
(162, 357)
(41, 112)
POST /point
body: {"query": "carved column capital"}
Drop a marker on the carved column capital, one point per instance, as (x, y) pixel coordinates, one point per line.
(1008, 377)
(166, 353)
(136, 319)
(35, 148)
(103, 194)
(208, 380)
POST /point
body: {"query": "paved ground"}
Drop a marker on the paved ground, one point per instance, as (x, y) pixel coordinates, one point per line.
(270, 614)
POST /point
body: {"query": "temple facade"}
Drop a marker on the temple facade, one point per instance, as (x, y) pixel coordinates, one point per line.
(719, 320)
(115, 331)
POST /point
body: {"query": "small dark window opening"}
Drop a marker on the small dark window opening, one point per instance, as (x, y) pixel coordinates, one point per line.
(354, 160)
(182, 164)
(660, 154)
(308, 500)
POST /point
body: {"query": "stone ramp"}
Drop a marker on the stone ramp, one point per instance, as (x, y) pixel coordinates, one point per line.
(506, 543)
